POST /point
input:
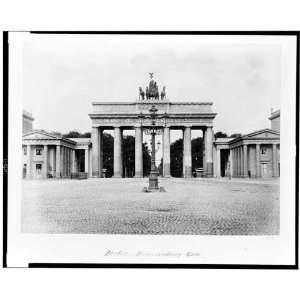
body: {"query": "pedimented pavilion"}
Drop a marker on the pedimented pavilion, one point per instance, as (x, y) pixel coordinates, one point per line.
(48, 155)
(256, 154)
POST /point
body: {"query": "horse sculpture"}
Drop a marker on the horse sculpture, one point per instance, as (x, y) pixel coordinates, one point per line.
(152, 91)
(163, 93)
(141, 94)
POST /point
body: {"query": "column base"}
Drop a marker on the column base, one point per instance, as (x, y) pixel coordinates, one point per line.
(95, 174)
(187, 172)
(209, 169)
(138, 175)
(117, 176)
(166, 170)
(166, 176)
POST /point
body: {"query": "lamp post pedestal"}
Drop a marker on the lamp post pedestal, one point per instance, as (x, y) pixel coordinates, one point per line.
(153, 177)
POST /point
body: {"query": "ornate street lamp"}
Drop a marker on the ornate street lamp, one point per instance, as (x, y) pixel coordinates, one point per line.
(153, 130)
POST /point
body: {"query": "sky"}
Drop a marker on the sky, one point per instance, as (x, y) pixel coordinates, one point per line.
(64, 74)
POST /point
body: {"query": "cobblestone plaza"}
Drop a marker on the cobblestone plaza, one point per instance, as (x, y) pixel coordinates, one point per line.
(203, 206)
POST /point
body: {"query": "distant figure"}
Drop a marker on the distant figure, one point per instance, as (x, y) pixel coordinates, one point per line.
(249, 173)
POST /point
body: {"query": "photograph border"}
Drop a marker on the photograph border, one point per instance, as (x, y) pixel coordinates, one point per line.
(138, 265)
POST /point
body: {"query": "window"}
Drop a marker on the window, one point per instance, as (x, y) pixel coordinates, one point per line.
(25, 150)
(38, 168)
(263, 150)
(38, 151)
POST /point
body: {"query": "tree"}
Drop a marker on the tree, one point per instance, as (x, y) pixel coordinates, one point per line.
(72, 134)
(128, 156)
(108, 154)
(128, 147)
(177, 156)
(176, 161)
(236, 135)
(77, 134)
(86, 135)
(56, 133)
(146, 160)
(197, 153)
(220, 134)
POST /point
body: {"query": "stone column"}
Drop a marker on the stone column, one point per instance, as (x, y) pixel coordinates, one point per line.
(29, 162)
(242, 161)
(187, 153)
(274, 161)
(235, 161)
(90, 161)
(204, 150)
(96, 141)
(166, 153)
(45, 169)
(245, 164)
(218, 162)
(64, 160)
(238, 161)
(67, 162)
(230, 163)
(61, 161)
(138, 152)
(118, 168)
(73, 161)
(86, 160)
(258, 160)
(209, 151)
(57, 163)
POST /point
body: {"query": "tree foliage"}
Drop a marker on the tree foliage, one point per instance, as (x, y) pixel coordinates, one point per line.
(72, 134)
(128, 150)
(108, 154)
(220, 134)
(177, 156)
(76, 134)
(197, 153)
(146, 160)
(128, 156)
(235, 135)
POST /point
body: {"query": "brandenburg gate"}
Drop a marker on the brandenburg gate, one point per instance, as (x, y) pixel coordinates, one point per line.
(135, 115)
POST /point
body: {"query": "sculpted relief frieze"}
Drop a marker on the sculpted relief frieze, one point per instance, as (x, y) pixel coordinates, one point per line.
(114, 122)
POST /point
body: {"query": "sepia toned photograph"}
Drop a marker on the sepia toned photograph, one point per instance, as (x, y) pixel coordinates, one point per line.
(154, 135)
